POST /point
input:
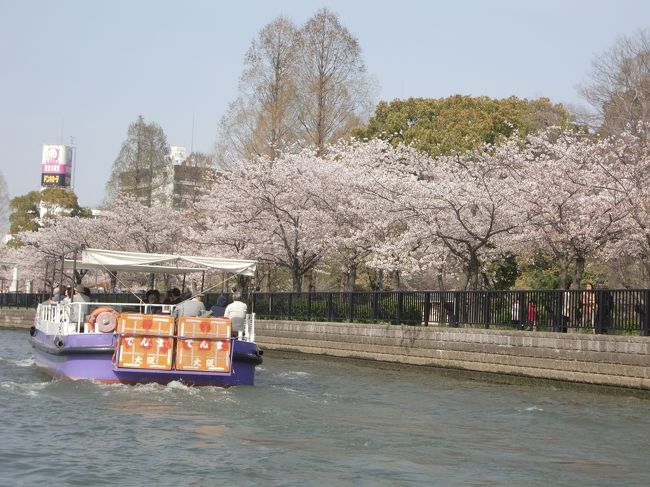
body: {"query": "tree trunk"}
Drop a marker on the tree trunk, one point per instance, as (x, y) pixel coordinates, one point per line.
(441, 281)
(397, 280)
(311, 287)
(297, 280)
(580, 269)
(564, 273)
(351, 278)
(473, 271)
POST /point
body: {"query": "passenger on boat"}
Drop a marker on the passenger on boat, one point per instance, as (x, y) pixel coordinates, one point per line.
(219, 308)
(236, 311)
(190, 307)
(57, 296)
(81, 295)
(173, 296)
(67, 295)
(153, 297)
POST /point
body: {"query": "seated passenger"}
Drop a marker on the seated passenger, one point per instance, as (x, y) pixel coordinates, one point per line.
(79, 311)
(173, 296)
(219, 308)
(236, 312)
(57, 296)
(153, 298)
(190, 307)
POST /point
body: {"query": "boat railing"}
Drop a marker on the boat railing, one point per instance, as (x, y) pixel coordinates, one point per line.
(249, 327)
(67, 318)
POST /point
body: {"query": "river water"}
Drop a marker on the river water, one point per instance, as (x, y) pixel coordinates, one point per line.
(314, 421)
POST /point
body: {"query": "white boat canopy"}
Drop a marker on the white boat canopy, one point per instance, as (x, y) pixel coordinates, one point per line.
(115, 260)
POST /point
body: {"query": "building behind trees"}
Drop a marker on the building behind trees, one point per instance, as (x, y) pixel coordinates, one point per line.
(155, 173)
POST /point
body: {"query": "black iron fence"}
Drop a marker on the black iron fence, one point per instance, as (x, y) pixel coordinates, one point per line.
(599, 311)
(21, 300)
(620, 311)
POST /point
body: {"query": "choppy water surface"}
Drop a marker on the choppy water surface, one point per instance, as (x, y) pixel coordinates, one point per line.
(314, 421)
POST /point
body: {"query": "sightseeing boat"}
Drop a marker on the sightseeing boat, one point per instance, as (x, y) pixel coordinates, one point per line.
(143, 343)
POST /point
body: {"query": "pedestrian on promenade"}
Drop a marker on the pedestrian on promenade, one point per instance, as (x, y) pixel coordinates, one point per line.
(531, 315)
(515, 314)
(588, 306)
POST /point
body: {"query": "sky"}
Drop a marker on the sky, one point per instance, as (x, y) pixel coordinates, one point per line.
(82, 71)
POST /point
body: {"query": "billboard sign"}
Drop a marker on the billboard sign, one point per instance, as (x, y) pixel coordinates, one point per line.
(56, 165)
(49, 180)
(55, 169)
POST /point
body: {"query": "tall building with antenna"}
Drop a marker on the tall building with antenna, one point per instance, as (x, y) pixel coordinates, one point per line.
(56, 169)
(56, 166)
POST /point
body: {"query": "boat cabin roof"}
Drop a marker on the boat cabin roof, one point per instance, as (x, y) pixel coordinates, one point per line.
(116, 260)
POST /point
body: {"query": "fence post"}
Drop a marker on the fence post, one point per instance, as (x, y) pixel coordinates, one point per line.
(400, 297)
(290, 311)
(558, 313)
(453, 315)
(427, 308)
(350, 308)
(487, 298)
(645, 317)
(598, 325)
(375, 306)
(330, 311)
(309, 306)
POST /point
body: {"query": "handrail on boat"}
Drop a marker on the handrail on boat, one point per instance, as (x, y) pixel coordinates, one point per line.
(56, 317)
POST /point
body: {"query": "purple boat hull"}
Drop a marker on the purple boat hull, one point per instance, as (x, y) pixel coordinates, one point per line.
(90, 356)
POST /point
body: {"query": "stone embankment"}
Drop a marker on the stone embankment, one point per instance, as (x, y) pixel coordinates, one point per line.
(16, 318)
(619, 361)
(622, 361)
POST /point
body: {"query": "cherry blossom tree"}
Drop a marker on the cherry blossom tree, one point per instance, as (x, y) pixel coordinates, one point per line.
(355, 204)
(126, 224)
(452, 208)
(569, 214)
(626, 170)
(264, 210)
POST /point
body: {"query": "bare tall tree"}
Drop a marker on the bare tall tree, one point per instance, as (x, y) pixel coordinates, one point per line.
(142, 168)
(619, 86)
(305, 87)
(261, 120)
(334, 93)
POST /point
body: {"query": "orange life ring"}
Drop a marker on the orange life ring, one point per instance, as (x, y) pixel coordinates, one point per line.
(105, 317)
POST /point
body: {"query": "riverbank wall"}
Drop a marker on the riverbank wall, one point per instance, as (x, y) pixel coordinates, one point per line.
(16, 318)
(618, 361)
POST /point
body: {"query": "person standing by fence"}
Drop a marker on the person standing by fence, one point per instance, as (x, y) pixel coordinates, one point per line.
(604, 304)
(515, 314)
(531, 315)
(588, 306)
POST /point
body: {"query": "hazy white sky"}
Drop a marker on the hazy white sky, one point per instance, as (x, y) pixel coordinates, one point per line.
(86, 69)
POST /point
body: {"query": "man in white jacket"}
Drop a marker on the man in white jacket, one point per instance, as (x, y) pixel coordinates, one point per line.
(236, 312)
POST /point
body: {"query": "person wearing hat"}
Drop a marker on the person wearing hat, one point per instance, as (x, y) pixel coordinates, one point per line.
(219, 308)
